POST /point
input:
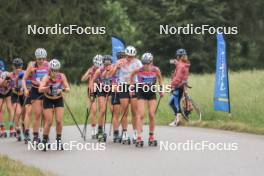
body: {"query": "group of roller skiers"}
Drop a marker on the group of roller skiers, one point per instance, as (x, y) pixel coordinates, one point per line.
(39, 90)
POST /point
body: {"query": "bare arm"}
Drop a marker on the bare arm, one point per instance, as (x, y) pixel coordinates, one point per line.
(25, 77)
(86, 76)
(132, 76)
(43, 85)
(65, 83)
(91, 83)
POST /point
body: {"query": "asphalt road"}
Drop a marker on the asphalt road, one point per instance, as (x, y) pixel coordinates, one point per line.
(243, 154)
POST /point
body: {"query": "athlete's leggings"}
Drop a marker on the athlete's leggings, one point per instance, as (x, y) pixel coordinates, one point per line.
(175, 99)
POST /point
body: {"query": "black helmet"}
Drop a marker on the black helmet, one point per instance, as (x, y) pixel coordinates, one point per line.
(180, 52)
(120, 54)
(18, 62)
(107, 58)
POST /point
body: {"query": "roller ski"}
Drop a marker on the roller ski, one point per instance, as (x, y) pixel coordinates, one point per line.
(12, 132)
(152, 141)
(125, 138)
(18, 135)
(36, 140)
(134, 140)
(101, 137)
(27, 139)
(116, 137)
(3, 133)
(139, 142)
(94, 134)
(59, 144)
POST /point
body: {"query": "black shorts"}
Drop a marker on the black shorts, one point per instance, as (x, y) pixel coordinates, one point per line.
(17, 99)
(124, 92)
(6, 95)
(50, 103)
(95, 94)
(146, 95)
(103, 92)
(35, 95)
(115, 98)
(28, 100)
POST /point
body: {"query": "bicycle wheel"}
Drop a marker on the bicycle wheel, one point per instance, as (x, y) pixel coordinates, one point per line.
(196, 114)
(190, 109)
(183, 107)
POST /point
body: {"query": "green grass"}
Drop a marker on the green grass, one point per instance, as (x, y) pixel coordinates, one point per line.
(246, 91)
(10, 167)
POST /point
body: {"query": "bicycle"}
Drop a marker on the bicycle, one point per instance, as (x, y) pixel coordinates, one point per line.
(188, 106)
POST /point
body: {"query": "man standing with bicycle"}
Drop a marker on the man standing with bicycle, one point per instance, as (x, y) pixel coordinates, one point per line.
(179, 78)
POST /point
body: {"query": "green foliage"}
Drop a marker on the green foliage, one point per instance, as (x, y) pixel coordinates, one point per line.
(137, 23)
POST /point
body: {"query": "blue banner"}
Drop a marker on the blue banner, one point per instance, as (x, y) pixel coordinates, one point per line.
(221, 92)
(117, 45)
(2, 65)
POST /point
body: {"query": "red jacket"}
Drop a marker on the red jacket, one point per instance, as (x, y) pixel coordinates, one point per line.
(181, 73)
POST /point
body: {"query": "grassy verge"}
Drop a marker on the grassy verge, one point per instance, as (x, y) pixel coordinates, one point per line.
(10, 167)
(246, 103)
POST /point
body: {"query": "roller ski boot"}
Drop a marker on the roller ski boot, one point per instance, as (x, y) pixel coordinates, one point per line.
(36, 140)
(18, 135)
(116, 137)
(27, 137)
(45, 145)
(94, 134)
(125, 138)
(139, 142)
(101, 137)
(134, 138)
(3, 133)
(12, 132)
(152, 141)
(59, 144)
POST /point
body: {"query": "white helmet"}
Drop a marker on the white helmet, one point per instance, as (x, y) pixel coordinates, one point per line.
(98, 60)
(130, 51)
(40, 53)
(54, 64)
(4, 75)
(147, 58)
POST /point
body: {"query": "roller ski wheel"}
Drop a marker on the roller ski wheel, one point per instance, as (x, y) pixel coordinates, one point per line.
(126, 141)
(152, 142)
(117, 139)
(101, 137)
(12, 134)
(19, 138)
(27, 139)
(94, 136)
(139, 144)
(3, 135)
(36, 140)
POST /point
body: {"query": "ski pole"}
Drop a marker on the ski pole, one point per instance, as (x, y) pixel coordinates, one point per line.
(72, 116)
(106, 102)
(110, 130)
(88, 111)
(158, 104)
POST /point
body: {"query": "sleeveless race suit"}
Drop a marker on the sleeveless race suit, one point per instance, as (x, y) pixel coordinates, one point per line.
(52, 99)
(124, 74)
(146, 82)
(37, 74)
